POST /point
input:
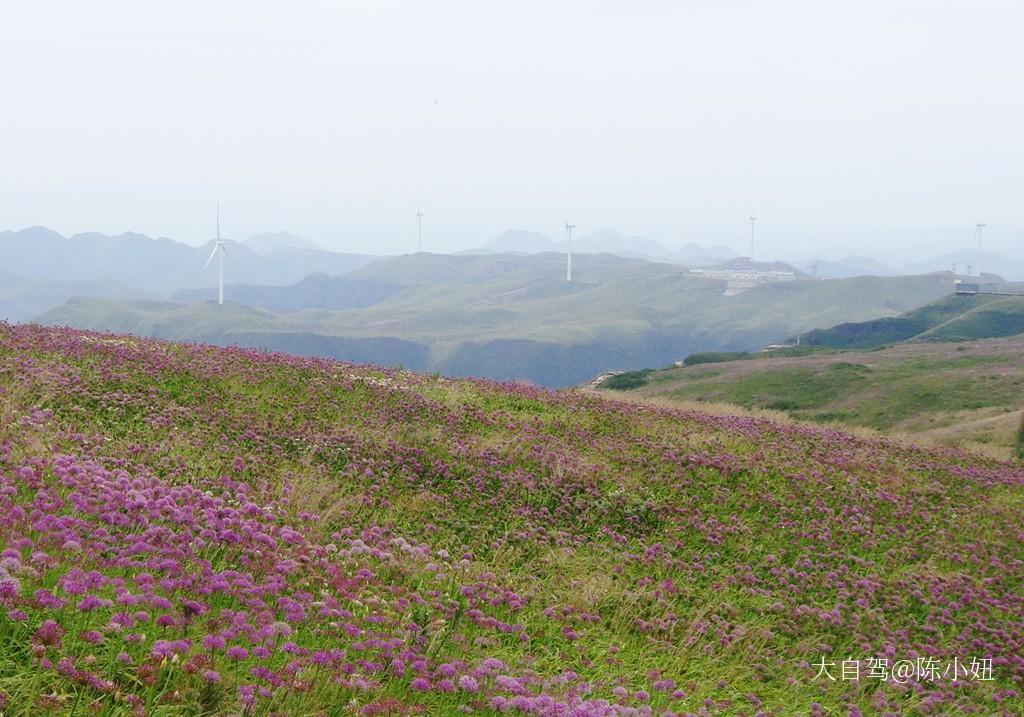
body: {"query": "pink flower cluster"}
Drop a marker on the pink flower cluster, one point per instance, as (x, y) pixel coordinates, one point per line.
(227, 531)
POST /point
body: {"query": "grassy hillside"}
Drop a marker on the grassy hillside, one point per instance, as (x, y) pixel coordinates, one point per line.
(966, 393)
(950, 318)
(515, 317)
(192, 530)
(316, 291)
(1001, 316)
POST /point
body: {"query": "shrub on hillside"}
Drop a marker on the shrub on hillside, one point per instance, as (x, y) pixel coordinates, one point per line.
(714, 357)
(1020, 440)
(628, 380)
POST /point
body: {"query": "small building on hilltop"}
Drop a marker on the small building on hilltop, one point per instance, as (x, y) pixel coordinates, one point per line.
(742, 274)
(964, 288)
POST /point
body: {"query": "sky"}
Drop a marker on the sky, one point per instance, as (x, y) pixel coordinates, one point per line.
(881, 127)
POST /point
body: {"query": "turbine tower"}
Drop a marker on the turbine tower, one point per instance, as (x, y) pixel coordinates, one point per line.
(977, 244)
(568, 263)
(752, 220)
(419, 231)
(220, 249)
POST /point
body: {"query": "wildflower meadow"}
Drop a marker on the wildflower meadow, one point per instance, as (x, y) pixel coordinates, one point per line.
(189, 530)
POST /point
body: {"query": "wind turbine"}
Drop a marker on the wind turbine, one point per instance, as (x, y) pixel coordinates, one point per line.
(419, 231)
(752, 220)
(568, 263)
(977, 238)
(220, 249)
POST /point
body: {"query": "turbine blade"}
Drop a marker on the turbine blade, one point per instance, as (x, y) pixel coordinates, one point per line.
(212, 254)
(224, 247)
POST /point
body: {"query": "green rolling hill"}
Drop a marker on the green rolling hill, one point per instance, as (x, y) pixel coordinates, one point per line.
(955, 374)
(316, 291)
(514, 317)
(952, 318)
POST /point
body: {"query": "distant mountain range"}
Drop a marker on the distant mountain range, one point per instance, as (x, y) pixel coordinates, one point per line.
(606, 241)
(21, 298)
(983, 261)
(967, 261)
(695, 255)
(847, 267)
(521, 241)
(160, 266)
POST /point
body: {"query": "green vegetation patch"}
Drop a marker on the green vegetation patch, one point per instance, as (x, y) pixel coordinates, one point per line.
(628, 380)
(786, 389)
(704, 357)
(715, 357)
(952, 317)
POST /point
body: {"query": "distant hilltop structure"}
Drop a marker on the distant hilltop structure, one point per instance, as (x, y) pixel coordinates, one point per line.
(742, 274)
(974, 287)
(967, 288)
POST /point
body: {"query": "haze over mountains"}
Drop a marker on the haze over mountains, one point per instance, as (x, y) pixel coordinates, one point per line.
(22, 298)
(696, 255)
(270, 242)
(607, 241)
(162, 266)
(504, 311)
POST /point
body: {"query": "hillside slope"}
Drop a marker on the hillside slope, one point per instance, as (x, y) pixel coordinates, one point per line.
(513, 317)
(965, 394)
(949, 318)
(316, 291)
(192, 530)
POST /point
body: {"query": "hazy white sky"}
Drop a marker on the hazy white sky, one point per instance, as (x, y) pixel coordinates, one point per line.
(883, 126)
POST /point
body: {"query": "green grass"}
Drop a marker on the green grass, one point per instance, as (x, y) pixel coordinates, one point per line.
(1001, 316)
(628, 380)
(915, 388)
(949, 318)
(784, 389)
(891, 395)
(705, 357)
